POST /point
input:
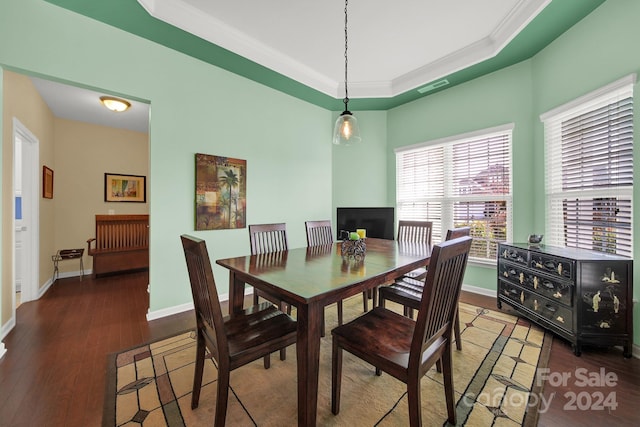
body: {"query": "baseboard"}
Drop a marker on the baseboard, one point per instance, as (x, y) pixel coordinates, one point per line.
(68, 274)
(158, 314)
(7, 327)
(3, 350)
(481, 291)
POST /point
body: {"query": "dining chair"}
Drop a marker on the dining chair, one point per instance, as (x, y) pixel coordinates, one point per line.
(416, 232)
(320, 233)
(409, 232)
(232, 341)
(407, 291)
(264, 239)
(403, 348)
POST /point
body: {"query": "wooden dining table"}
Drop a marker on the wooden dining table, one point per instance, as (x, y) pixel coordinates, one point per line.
(310, 278)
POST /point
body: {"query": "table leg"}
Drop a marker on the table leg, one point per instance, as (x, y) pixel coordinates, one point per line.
(236, 294)
(308, 354)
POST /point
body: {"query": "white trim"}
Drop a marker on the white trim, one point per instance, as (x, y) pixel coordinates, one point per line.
(488, 132)
(8, 327)
(31, 186)
(480, 291)
(164, 312)
(3, 350)
(44, 289)
(192, 19)
(589, 97)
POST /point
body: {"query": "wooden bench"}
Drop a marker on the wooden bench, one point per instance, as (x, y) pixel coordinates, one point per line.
(121, 244)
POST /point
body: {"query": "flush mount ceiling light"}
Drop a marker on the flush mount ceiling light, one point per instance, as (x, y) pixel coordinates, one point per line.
(115, 104)
(346, 130)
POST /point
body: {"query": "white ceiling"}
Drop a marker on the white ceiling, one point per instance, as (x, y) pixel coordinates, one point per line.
(74, 103)
(394, 46)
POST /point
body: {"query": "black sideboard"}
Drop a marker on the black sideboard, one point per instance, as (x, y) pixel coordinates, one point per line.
(582, 296)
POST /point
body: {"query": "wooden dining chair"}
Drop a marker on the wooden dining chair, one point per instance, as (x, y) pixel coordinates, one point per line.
(320, 233)
(232, 341)
(416, 232)
(409, 232)
(408, 290)
(268, 238)
(403, 348)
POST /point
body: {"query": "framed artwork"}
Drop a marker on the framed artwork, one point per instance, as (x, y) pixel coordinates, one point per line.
(47, 183)
(125, 188)
(221, 192)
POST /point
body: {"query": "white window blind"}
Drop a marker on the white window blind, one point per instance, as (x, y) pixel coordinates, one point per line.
(589, 171)
(463, 181)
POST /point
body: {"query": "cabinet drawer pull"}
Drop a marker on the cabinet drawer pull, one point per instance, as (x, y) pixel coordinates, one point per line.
(550, 308)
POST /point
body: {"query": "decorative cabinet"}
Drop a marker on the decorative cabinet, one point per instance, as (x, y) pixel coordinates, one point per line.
(582, 296)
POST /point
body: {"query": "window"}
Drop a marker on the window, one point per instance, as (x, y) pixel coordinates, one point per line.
(457, 182)
(589, 170)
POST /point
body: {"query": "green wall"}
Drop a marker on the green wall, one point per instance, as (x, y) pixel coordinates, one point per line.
(597, 51)
(496, 99)
(195, 108)
(294, 173)
(360, 171)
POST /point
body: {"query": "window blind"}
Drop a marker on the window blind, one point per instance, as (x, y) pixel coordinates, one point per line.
(589, 173)
(465, 181)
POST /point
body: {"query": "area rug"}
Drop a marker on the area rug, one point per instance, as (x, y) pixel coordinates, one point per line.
(494, 380)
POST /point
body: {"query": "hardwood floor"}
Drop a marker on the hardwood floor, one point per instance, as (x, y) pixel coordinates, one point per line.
(53, 373)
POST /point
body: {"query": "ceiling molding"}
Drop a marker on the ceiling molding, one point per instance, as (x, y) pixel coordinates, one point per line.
(196, 21)
(534, 35)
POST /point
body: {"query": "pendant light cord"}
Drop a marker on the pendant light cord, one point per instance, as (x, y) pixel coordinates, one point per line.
(346, 90)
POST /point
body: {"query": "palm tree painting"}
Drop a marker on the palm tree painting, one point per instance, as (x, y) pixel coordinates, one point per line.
(221, 188)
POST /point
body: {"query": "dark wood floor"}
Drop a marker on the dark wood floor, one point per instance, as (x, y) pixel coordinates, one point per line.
(53, 373)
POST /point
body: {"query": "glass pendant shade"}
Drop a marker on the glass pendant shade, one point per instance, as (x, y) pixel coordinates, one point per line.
(346, 130)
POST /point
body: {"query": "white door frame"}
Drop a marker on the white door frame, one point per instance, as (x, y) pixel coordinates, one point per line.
(31, 210)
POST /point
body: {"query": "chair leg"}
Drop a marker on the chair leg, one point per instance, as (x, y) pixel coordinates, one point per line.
(381, 300)
(447, 376)
(223, 396)
(199, 368)
(456, 330)
(340, 312)
(285, 308)
(365, 301)
(413, 398)
(336, 377)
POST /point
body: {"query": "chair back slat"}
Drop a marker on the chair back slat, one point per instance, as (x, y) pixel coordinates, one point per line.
(440, 294)
(454, 233)
(415, 231)
(205, 295)
(319, 233)
(265, 238)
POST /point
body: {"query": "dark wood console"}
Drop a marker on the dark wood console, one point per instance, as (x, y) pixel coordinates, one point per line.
(582, 296)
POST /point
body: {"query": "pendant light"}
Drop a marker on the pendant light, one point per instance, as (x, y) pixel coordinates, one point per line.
(346, 130)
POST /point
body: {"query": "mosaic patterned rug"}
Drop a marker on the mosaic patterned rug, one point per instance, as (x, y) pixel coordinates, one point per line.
(494, 381)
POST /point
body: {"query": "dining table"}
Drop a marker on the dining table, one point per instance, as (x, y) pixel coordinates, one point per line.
(310, 278)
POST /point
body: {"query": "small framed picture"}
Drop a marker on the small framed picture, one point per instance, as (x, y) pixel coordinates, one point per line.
(47, 183)
(125, 188)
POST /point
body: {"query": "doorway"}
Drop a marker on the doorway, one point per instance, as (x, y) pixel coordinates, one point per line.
(26, 214)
